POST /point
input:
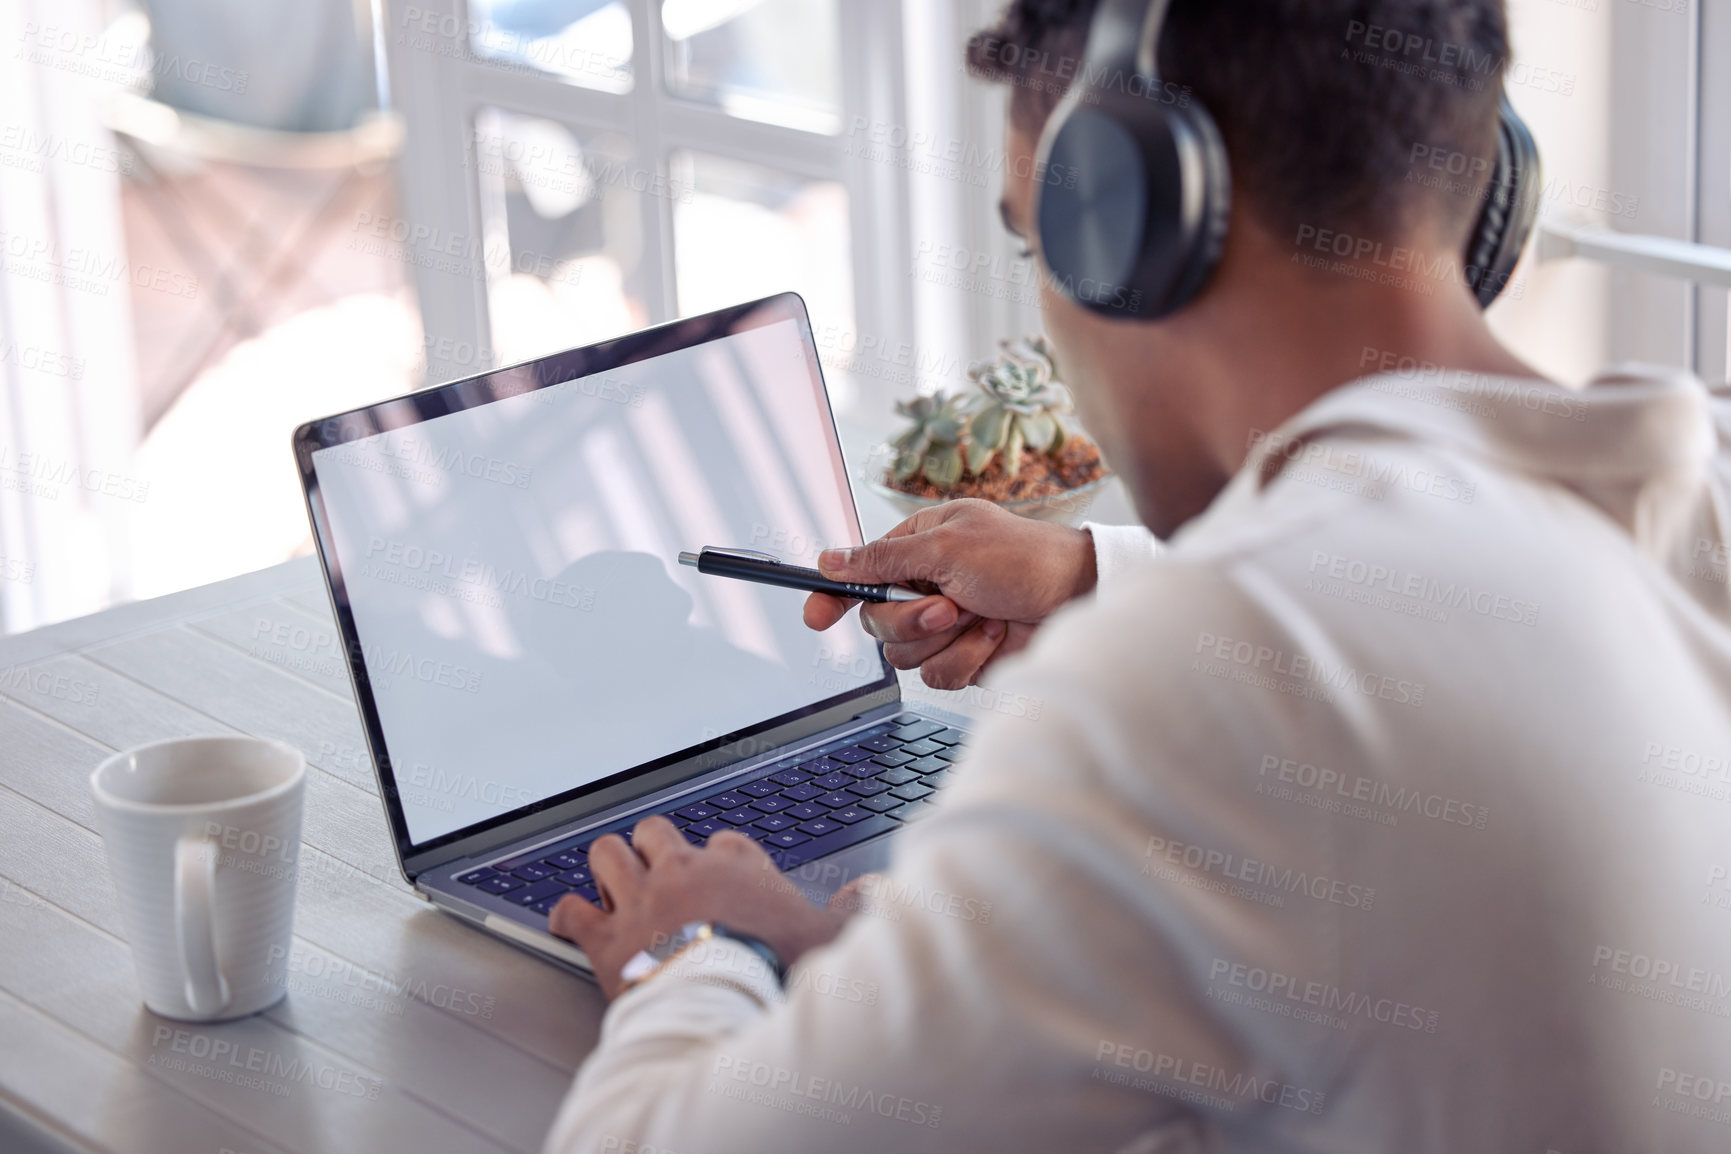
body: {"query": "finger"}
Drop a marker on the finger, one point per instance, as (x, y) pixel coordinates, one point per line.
(851, 898)
(962, 660)
(823, 610)
(617, 868)
(656, 839)
(575, 919)
(893, 559)
(913, 654)
(900, 621)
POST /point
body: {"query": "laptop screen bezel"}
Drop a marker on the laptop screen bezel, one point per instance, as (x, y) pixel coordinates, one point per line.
(500, 384)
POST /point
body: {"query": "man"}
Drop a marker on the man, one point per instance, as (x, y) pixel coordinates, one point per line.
(1388, 808)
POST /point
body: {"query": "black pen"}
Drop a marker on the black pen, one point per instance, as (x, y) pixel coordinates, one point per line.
(749, 565)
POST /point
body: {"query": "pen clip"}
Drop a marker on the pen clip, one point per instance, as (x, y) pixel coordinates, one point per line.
(743, 554)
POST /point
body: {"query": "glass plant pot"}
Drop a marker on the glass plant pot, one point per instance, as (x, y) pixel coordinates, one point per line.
(1066, 508)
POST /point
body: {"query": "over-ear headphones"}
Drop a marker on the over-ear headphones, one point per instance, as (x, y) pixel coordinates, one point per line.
(1134, 187)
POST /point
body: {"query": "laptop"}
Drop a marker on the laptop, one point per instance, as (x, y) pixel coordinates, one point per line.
(534, 669)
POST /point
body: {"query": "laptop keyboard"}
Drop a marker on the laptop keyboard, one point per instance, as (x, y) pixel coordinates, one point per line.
(801, 809)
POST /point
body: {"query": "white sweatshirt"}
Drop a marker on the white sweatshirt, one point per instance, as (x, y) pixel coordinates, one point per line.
(1389, 809)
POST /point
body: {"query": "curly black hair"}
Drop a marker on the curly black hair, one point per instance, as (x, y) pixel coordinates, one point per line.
(1334, 112)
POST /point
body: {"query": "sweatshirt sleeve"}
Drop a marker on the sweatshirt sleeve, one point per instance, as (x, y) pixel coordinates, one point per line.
(980, 1001)
(1120, 548)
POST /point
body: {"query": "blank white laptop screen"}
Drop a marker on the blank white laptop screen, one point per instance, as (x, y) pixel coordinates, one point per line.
(512, 573)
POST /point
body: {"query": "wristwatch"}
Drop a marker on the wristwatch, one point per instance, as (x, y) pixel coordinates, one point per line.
(646, 963)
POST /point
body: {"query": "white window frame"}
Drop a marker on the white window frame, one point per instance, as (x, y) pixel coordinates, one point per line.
(439, 97)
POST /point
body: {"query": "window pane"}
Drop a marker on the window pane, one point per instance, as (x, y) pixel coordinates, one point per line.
(587, 42)
(777, 61)
(563, 226)
(743, 232)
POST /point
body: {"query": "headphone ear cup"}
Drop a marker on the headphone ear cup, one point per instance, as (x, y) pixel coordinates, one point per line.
(1132, 203)
(1510, 212)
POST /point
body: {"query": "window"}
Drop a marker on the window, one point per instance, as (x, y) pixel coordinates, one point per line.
(600, 165)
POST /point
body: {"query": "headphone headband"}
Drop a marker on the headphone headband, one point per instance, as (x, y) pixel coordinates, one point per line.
(1123, 38)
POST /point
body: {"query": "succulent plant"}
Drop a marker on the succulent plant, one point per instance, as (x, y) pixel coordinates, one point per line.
(933, 444)
(1021, 404)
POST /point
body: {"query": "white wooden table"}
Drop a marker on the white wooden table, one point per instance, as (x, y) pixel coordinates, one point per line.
(403, 1029)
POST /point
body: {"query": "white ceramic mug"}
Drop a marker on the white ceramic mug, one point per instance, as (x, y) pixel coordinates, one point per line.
(203, 837)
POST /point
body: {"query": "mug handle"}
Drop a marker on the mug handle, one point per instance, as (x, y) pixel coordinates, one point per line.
(195, 924)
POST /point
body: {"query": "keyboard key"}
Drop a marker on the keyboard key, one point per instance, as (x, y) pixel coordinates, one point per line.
(677, 821)
(533, 872)
(864, 769)
(836, 800)
(568, 860)
(691, 835)
(919, 727)
(849, 814)
(529, 895)
(790, 777)
(893, 759)
(923, 748)
(913, 791)
(476, 877)
(709, 827)
(950, 737)
(938, 780)
(868, 788)
(698, 811)
(819, 826)
(575, 877)
(726, 801)
(883, 803)
(774, 823)
(852, 754)
(805, 811)
(760, 789)
(929, 765)
(830, 781)
(502, 884)
(830, 842)
(744, 815)
(786, 839)
(588, 893)
(818, 766)
(772, 805)
(909, 719)
(898, 776)
(911, 811)
(882, 744)
(950, 754)
(802, 792)
(546, 904)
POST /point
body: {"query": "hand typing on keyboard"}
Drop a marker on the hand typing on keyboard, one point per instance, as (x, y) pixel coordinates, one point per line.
(995, 577)
(661, 881)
